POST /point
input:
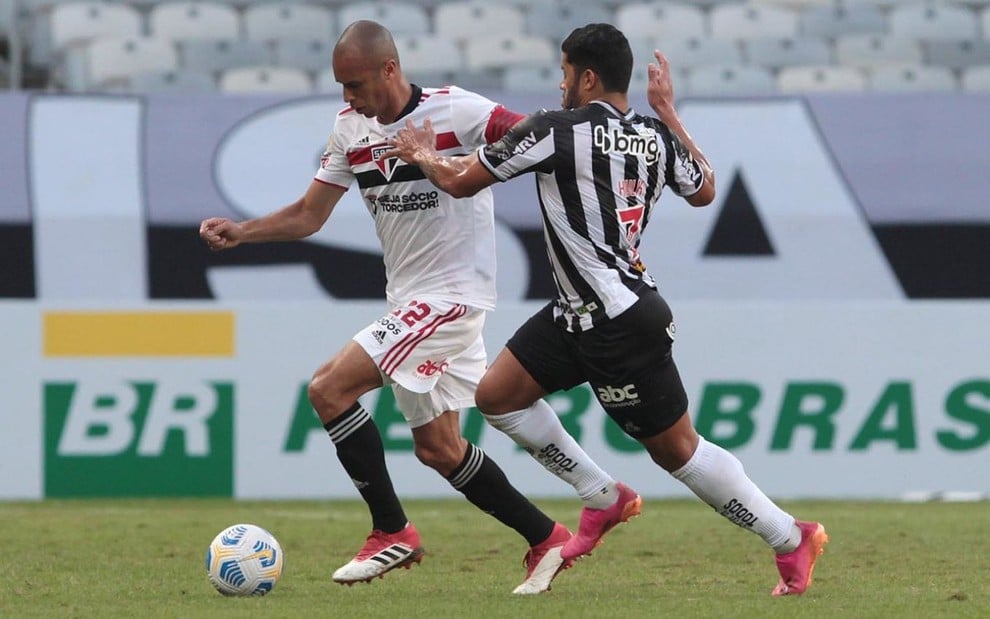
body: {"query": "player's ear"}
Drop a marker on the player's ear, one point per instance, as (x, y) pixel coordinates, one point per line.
(589, 80)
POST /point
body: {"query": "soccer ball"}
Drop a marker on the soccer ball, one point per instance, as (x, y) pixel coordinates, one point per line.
(244, 559)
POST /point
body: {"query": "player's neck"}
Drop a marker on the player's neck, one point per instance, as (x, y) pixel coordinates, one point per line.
(618, 100)
(399, 101)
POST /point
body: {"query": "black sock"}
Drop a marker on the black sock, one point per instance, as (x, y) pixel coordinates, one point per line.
(360, 450)
(485, 485)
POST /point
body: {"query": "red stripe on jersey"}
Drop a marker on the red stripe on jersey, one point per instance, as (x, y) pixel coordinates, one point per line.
(359, 156)
(401, 351)
(346, 110)
(499, 123)
(447, 140)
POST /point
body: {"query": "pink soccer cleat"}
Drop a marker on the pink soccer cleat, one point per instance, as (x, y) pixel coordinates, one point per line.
(595, 523)
(796, 567)
(382, 552)
(543, 562)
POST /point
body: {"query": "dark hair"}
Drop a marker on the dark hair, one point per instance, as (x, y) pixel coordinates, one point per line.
(603, 49)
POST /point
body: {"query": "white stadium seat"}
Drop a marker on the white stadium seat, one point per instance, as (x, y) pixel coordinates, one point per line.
(934, 21)
(398, 17)
(179, 80)
(841, 19)
(270, 22)
(660, 21)
(77, 22)
(912, 79)
(116, 59)
(820, 79)
(730, 81)
(867, 50)
(499, 52)
(310, 55)
(463, 20)
(428, 54)
(265, 80)
(194, 20)
(213, 56)
(957, 54)
(698, 52)
(734, 21)
(786, 52)
(976, 79)
(543, 79)
(556, 21)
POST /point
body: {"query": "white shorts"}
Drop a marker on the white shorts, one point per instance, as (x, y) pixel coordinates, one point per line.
(431, 353)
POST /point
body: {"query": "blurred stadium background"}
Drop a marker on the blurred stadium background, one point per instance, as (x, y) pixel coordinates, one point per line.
(721, 47)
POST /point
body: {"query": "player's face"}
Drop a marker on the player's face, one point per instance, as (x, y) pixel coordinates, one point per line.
(364, 85)
(569, 97)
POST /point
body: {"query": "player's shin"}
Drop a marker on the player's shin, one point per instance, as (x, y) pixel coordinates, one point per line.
(717, 478)
(539, 431)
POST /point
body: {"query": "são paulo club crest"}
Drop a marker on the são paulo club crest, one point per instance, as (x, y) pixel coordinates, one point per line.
(386, 165)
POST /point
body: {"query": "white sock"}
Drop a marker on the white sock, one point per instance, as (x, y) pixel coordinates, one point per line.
(718, 478)
(539, 431)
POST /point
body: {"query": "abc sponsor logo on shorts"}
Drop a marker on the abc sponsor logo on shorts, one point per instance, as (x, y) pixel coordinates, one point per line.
(612, 397)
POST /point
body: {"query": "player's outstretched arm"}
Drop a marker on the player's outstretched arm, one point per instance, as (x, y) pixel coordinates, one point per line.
(660, 94)
(296, 221)
(459, 176)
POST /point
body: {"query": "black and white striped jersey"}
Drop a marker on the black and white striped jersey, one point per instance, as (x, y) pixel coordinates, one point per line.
(599, 173)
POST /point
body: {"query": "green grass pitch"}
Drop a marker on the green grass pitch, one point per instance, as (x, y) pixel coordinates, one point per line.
(145, 558)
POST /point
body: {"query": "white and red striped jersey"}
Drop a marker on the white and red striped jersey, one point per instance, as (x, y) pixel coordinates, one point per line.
(435, 246)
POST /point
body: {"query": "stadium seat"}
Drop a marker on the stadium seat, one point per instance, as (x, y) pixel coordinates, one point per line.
(499, 52)
(714, 81)
(398, 17)
(957, 54)
(985, 22)
(912, 79)
(544, 79)
(213, 56)
(194, 20)
(265, 80)
(463, 20)
(820, 79)
(178, 81)
(310, 55)
(735, 21)
(428, 54)
(868, 50)
(78, 22)
(775, 53)
(270, 22)
(118, 59)
(556, 20)
(697, 52)
(326, 83)
(660, 21)
(933, 21)
(835, 20)
(976, 79)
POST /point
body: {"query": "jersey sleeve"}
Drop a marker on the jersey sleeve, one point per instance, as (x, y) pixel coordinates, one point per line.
(527, 147)
(478, 120)
(684, 175)
(334, 168)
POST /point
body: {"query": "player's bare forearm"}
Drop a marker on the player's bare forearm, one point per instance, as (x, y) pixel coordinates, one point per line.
(457, 176)
(660, 94)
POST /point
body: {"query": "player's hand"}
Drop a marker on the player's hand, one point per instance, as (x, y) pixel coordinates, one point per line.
(413, 143)
(220, 233)
(659, 88)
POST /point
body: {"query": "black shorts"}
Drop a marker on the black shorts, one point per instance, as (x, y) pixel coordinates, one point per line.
(627, 361)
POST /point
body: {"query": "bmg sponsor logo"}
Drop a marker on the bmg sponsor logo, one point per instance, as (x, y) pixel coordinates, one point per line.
(643, 144)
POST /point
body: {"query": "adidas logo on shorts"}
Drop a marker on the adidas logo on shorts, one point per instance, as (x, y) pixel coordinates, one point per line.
(379, 336)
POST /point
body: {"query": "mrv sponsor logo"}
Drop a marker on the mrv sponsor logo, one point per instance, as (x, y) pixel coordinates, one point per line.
(138, 438)
(642, 144)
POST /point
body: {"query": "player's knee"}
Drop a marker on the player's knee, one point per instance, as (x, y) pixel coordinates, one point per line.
(489, 400)
(323, 396)
(440, 458)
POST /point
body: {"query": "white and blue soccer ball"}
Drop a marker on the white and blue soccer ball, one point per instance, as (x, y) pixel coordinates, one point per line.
(244, 559)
